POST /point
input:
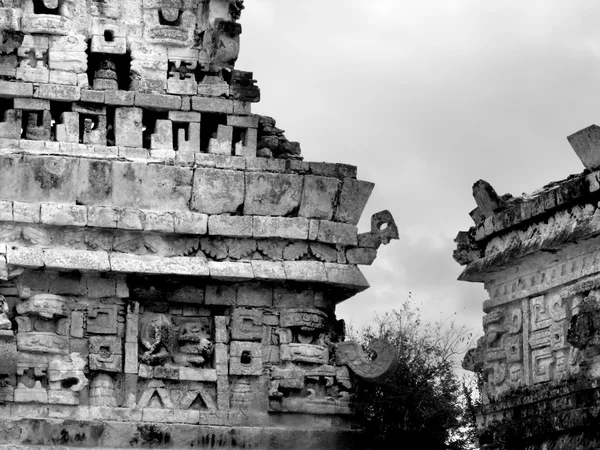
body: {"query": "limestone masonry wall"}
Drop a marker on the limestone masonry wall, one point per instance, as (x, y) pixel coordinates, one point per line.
(169, 263)
(539, 259)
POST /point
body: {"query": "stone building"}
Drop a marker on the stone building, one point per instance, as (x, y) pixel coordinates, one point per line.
(169, 263)
(539, 259)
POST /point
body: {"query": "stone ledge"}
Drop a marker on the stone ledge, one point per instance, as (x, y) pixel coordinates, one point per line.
(343, 275)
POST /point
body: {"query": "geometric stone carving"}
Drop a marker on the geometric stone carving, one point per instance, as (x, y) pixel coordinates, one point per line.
(246, 324)
(102, 319)
(245, 358)
(44, 305)
(307, 353)
(42, 342)
(67, 373)
(106, 353)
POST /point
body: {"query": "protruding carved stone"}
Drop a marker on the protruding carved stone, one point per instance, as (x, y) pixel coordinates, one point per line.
(195, 345)
(586, 144)
(67, 374)
(350, 354)
(383, 230)
(486, 198)
(102, 391)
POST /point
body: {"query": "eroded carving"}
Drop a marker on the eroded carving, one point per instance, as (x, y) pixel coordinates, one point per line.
(350, 354)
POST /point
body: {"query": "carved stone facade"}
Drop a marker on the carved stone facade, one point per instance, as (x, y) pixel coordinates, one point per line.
(539, 258)
(169, 264)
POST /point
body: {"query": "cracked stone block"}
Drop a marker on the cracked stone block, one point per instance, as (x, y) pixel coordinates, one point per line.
(318, 197)
(353, 199)
(217, 191)
(269, 194)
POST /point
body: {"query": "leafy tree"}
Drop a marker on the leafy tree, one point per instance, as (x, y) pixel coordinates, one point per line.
(424, 402)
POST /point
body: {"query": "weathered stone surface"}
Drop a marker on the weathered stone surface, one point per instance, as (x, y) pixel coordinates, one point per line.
(217, 191)
(318, 197)
(129, 127)
(269, 194)
(586, 144)
(234, 226)
(337, 233)
(364, 256)
(158, 265)
(280, 227)
(354, 195)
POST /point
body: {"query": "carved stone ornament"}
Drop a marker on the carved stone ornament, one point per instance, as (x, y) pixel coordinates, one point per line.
(350, 354)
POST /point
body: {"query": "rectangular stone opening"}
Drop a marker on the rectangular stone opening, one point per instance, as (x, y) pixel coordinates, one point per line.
(210, 126)
(149, 124)
(180, 126)
(109, 72)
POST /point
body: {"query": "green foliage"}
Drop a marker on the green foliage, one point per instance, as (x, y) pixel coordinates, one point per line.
(424, 401)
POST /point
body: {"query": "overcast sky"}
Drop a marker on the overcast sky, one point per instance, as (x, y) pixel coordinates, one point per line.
(426, 97)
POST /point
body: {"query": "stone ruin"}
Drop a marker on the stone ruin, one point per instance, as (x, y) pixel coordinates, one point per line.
(538, 256)
(169, 264)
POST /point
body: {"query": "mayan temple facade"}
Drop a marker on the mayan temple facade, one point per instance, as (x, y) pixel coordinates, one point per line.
(169, 264)
(538, 257)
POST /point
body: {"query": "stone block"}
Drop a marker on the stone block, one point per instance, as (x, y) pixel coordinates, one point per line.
(162, 138)
(76, 260)
(102, 216)
(233, 226)
(346, 275)
(119, 98)
(159, 221)
(246, 324)
(157, 102)
(305, 271)
(221, 294)
(184, 116)
(313, 229)
(25, 257)
(586, 144)
(65, 215)
(323, 169)
(220, 161)
(131, 219)
(158, 265)
(128, 127)
(221, 332)
(221, 359)
(91, 96)
(63, 77)
(268, 270)
(243, 121)
(290, 298)
(187, 222)
(213, 90)
(242, 108)
(182, 87)
(353, 198)
(269, 194)
(212, 105)
(117, 46)
(346, 171)
(77, 324)
(266, 165)
(73, 61)
(318, 197)
(31, 104)
(26, 212)
(256, 295)
(245, 358)
(280, 227)
(59, 92)
(10, 127)
(337, 233)
(68, 129)
(364, 256)
(105, 353)
(131, 358)
(11, 89)
(217, 191)
(6, 211)
(192, 374)
(222, 144)
(230, 271)
(305, 353)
